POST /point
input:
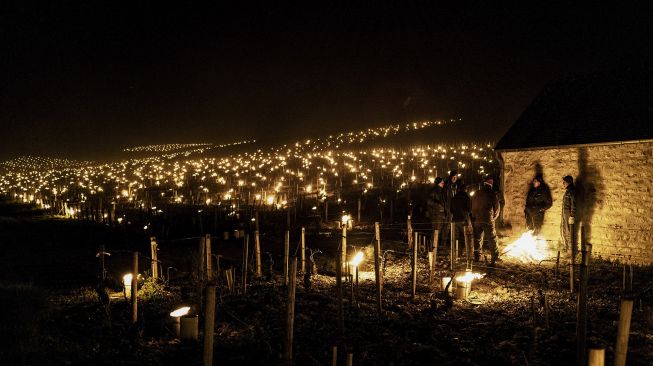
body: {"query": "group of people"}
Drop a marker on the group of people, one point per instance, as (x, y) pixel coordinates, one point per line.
(451, 206)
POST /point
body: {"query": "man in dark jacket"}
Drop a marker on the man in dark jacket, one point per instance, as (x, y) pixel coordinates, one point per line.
(449, 191)
(538, 200)
(461, 207)
(485, 210)
(568, 211)
(436, 206)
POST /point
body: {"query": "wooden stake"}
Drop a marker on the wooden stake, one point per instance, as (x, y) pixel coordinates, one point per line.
(359, 210)
(623, 331)
(452, 237)
(377, 267)
(201, 259)
(436, 242)
(343, 260)
(257, 249)
(207, 254)
(245, 255)
(414, 267)
(134, 287)
(209, 324)
(596, 357)
(286, 254)
(581, 310)
(303, 251)
(341, 321)
(409, 228)
(290, 311)
(334, 356)
(155, 262)
(350, 359)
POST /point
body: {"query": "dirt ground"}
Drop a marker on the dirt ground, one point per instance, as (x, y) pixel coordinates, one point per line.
(52, 313)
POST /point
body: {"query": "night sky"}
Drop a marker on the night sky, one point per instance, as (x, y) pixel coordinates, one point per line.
(85, 80)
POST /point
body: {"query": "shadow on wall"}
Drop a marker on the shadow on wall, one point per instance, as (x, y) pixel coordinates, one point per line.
(590, 191)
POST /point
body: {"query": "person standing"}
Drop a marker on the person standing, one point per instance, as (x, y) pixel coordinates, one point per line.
(538, 200)
(449, 191)
(568, 211)
(461, 207)
(436, 206)
(485, 210)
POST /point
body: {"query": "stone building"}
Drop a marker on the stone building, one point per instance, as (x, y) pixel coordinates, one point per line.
(598, 129)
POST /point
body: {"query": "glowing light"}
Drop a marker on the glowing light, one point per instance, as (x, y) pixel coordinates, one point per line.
(345, 219)
(469, 276)
(528, 248)
(358, 258)
(180, 312)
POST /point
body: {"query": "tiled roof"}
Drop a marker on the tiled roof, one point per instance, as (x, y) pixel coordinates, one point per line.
(597, 108)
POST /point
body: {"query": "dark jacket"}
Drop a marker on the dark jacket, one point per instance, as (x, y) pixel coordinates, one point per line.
(436, 205)
(569, 202)
(450, 190)
(461, 206)
(538, 199)
(485, 205)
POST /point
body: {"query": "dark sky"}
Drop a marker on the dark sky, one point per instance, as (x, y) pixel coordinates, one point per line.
(81, 80)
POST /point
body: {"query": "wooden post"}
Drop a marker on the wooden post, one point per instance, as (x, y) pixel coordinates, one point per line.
(343, 260)
(334, 356)
(350, 359)
(257, 249)
(290, 311)
(596, 357)
(436, 242)
(409, 228)
(452, 237)
(414, 266)
(581, 311)
(377, 267)
(303, 251)
(134, 287)
(326, 210)
(155, 262)
(623, 331)
(209, 324)
(341, 321)
(286, 254)
(208, 256)
(245, 255)
(359, 210)
(572, 258)
(201, 261)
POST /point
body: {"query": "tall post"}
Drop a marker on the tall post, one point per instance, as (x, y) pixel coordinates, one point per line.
(155, 262)
(377, 267)
(257, 249)
(209, 324)
(409, 228)
(245, 255)
(286, 253)
(208, 256)
(343, 260)
(303, 250)
(414, 266)
(572, 258)
(201, 261)
(341, 320)
(290, 311)
(596, 357)
(452, 237)
(623, 331)
(134, 287)
(359, 210)
(436, 242)
(326, 210)
(581, 314)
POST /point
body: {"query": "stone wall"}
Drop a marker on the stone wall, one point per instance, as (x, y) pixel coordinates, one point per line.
(615, 181)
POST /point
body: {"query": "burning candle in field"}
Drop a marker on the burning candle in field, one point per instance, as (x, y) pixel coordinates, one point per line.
(127, 284)
(176, 316)
(464, 284)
